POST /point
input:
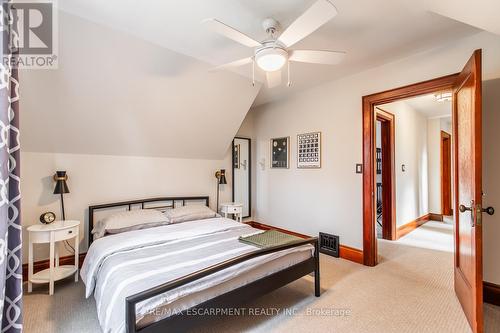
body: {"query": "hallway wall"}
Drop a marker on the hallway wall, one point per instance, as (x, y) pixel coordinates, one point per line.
(434, 128)
(412, 199)
(491, 179)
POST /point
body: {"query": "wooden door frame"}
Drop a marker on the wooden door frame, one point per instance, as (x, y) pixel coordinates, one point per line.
(388, 172)
(369, 103)
(446, 209)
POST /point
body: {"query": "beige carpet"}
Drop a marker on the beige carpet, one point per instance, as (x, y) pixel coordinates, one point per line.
(409, 291)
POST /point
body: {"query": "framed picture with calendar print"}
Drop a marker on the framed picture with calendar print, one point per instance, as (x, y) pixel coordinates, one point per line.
(309, 150)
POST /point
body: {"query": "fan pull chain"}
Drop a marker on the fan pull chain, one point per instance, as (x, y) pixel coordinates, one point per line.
(253, 71)
(289, 83)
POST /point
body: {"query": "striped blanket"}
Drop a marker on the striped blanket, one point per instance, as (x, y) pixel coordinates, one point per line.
(121, 265)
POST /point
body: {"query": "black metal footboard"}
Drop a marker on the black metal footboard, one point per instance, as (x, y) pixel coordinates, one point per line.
(179, 322)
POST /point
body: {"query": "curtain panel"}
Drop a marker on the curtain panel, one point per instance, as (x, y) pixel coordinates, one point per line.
(10, 198)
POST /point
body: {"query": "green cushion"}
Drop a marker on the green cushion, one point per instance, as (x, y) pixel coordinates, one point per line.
(269, 238)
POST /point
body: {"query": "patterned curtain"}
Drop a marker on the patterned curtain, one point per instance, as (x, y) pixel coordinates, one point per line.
(10, 220)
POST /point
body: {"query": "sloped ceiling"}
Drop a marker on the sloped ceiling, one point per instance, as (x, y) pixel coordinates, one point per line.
(120, 95)
(482, 14)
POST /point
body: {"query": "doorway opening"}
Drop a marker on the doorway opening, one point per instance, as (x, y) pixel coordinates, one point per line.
(370, 114)
(422, 191)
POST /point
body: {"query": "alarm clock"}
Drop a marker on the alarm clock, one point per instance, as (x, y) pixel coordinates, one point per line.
(47, 218)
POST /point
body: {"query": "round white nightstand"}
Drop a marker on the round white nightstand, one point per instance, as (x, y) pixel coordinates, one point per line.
(52, 233)
(233, 208)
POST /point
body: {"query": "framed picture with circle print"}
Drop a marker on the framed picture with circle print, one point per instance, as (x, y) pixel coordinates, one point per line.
(309, 150)
(280, 153)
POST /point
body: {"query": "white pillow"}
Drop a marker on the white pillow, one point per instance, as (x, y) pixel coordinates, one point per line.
(129, 220)
(189, 213)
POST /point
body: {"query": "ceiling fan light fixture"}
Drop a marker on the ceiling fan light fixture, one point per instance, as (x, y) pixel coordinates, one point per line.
(271, 59)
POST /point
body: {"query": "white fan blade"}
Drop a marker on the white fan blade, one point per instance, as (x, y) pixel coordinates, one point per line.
(318, 14)
(273, 79)
(236, 63)
(317, 57)
(230, 33)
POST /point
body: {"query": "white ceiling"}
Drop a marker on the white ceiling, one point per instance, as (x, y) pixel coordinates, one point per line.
(371, 32)
(428, 106)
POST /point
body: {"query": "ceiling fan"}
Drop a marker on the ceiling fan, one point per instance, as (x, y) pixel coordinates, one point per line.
(272, 54)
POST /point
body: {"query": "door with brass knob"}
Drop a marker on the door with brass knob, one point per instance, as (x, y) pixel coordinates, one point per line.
(467, 148)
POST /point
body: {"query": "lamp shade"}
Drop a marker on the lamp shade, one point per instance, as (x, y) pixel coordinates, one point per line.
(222, 178)
(61, 186)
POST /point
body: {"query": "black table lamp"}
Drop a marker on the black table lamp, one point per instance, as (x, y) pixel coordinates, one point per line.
(221, 179)
(61, 187)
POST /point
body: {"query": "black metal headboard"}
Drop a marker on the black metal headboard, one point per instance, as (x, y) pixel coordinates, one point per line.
(172, 202)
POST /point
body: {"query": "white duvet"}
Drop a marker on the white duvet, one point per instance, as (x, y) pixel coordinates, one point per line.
(121, 265)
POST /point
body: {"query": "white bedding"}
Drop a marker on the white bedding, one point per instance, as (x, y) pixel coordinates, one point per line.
(121, 265)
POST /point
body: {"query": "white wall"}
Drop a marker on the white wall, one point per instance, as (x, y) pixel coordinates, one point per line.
(491, 179)
(330, 199)
(95, 179)
(434, 144)
(434, 128)
(412, 199)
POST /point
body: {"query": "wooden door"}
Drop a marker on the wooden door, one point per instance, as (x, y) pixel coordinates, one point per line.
(468, 191)
(387, 136)
(446, 205)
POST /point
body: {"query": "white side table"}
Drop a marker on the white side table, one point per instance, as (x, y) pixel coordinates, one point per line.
(233, 208)
(52, 233)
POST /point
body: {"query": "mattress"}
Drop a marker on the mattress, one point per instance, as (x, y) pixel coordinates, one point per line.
(122, 265)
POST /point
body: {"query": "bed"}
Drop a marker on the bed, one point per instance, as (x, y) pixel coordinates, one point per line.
(172, 277)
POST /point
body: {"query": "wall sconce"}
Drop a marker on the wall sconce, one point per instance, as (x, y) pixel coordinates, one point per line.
(60, 178)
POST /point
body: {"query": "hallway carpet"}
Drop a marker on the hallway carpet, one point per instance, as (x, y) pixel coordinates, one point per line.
(411, 290)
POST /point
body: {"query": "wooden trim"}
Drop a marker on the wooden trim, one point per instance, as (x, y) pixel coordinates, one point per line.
(436, 217)
(409, 227)
(445, 173)
(44, 264)
(352, 254)
(346, 252)
(491, 293)
(388, 130)
(369, 102)
(405, 229)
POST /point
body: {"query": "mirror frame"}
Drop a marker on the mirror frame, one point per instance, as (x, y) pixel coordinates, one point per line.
(249, 172)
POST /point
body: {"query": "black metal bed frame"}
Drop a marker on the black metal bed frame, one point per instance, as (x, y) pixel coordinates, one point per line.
(142, 203)
(184, 320)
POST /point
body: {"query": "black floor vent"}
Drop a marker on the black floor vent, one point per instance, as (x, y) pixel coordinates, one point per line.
(329, 244)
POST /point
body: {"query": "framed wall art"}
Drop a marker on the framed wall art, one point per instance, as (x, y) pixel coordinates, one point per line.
(309, 150)
(280, 153)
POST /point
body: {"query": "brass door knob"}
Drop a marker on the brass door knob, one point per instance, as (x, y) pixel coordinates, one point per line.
(464, 209)
(489, 210)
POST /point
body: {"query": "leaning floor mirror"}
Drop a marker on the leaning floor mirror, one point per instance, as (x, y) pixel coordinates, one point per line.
(242, 174)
